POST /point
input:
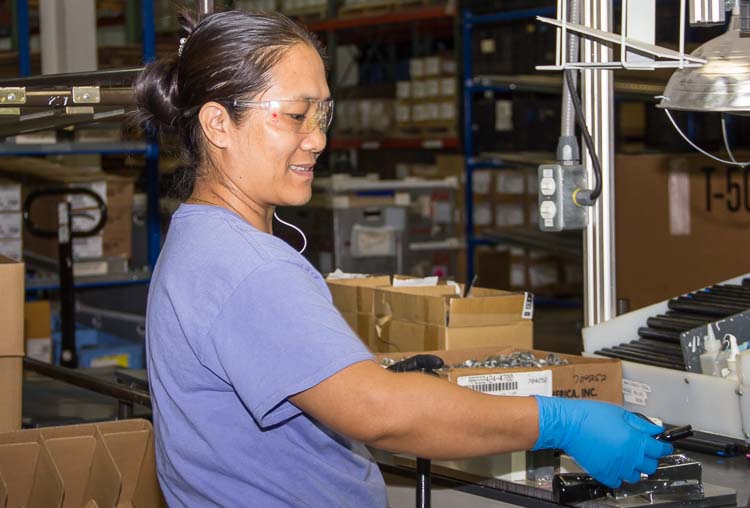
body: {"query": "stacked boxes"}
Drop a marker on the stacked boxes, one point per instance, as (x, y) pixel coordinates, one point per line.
(11, 343)
(438, 317)
(355, 299)
(106, 464)
(367, 117)
(11, 242)
(429, 100)
(116, 191)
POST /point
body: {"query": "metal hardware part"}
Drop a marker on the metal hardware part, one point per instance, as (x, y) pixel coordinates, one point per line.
(676, 477)
(517, 359)
(12, 95)
(86, 95)
(558, 185)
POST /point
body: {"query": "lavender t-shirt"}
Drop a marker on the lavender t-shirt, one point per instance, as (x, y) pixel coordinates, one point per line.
(238, 322)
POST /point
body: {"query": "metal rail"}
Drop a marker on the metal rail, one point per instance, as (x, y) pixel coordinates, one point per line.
(127, 397)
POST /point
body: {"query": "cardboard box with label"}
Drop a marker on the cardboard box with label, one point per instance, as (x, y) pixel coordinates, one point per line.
(104, 464)
(427, 318)
(582, 378)
(682, 222)
(12, 275)
(116, 192)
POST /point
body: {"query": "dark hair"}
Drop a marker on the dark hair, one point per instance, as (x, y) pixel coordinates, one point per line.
(226, 56)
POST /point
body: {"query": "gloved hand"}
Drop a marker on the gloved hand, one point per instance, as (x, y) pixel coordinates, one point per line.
(613, 445)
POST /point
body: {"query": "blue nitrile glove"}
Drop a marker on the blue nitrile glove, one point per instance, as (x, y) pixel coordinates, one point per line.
(613, 445)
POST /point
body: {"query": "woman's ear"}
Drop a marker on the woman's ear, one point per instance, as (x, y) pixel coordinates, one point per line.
(216, 124)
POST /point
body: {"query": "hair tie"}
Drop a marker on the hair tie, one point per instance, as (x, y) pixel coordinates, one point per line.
(183, 40)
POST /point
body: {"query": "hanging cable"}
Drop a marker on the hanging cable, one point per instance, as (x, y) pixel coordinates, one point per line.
(726, 137)
(304, 238)
(717, 159)
(585, 197)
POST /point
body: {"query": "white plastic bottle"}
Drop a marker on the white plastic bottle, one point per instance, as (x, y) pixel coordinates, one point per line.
(730, 372)
(710, 359)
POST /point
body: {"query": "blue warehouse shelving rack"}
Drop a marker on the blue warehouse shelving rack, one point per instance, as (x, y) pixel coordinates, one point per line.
(149, 149)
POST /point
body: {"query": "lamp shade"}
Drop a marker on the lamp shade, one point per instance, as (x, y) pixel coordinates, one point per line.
(720, 85)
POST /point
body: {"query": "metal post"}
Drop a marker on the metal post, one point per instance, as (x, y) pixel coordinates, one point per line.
(598, 102)
(153, 225)
(467, 27)
(207, 6)
(23, 35)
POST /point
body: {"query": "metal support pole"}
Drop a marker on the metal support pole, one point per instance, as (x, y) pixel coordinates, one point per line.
(207, 6)
(23, 35)
(598, 103)
(467, 27)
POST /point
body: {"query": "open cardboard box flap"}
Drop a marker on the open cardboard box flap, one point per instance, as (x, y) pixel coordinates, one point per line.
(355, 295)
(442, 306)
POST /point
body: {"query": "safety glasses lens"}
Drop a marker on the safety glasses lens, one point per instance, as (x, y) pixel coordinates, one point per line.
(301, 116)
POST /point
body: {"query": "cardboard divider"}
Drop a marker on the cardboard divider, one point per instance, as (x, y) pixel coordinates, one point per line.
(109, 464)
(30, 477)
(582, 377)
(400, 335)
(132, 447)
(87, 468)
(11, 386)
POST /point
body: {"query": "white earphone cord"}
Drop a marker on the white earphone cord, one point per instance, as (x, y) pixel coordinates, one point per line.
(304, 238)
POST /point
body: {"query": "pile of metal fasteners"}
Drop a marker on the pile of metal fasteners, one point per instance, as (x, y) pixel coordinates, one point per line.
(517, 359)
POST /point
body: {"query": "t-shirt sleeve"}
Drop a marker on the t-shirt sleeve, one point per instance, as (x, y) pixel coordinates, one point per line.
(278, 335)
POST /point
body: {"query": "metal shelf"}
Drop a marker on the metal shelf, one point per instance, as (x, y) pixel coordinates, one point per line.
(427, 143)
(50, 281)
(404, 16)
(553, 85)
(470, 19)
(70, 148)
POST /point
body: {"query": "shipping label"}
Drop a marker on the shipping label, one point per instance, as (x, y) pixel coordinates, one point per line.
(10, 198)
(10, 225)
(528, 306)
(79, 201)
(521, 384)
(635, 392)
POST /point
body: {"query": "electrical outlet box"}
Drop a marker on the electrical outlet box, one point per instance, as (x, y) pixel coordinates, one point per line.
(557, 184)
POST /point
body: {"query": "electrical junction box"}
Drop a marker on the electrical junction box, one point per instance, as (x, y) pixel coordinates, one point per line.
(557, 184)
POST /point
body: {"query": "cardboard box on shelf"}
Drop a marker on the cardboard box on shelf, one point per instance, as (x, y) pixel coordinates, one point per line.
(37, 330)
(116, 191)
(12, 280)
(510, 181)
(11, 225)
(510, 214)
(416, 68)
(12, 248)
(403, 89)
(583, 378)
(11, 396)
(10, 195)
(682, 222)
(448, 87)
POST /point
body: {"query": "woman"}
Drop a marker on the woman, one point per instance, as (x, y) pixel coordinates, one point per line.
(263, 396)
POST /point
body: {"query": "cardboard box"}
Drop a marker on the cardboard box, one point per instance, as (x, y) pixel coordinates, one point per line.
(116, 191)
(12, 248)
(12, 275)
(356, 295)
(583, 378)
(11, 225)
(37, 330)
(92, 465)
(11, 396)
(681, 223)
(10, 196)
(441, 306)
(401, 335)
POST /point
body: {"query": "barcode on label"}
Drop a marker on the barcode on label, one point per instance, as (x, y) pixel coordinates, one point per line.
(494, 387)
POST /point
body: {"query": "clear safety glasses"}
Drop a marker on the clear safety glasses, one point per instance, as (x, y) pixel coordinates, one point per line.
(300, 116)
